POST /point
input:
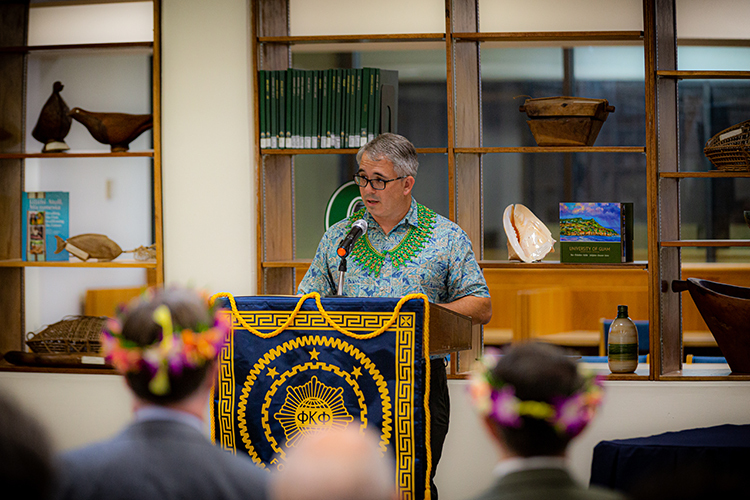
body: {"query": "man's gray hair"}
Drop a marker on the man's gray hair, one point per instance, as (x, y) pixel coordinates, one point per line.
(395, 148)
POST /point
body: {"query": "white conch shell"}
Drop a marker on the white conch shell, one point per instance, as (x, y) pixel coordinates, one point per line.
(529, 239)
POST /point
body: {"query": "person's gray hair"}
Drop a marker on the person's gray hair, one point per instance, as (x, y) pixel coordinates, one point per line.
(395, 148)
(337, 464)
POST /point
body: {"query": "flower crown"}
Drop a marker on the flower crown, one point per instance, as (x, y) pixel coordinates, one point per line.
(497, 399)
(177, 349)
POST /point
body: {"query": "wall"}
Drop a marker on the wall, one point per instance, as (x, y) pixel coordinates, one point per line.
(209, 231)
(79, 409)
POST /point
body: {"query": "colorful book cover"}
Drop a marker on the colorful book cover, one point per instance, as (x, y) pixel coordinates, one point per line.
(596, 232)
(44, 228)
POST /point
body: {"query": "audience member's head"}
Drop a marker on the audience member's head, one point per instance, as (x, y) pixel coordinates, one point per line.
(26, 470)
(336, 465)
(534, 399)
(166, 343)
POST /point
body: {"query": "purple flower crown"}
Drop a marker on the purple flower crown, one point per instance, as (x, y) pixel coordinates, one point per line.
(497, 399)
(177, 349)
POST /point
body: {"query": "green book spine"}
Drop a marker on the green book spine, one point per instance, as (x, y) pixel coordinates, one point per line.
(345, 101)
(336, 130)
(371, 105)
(307, 131)
(282, 109)
(315, 106)
(274, 115)
(365, 106)
(357, 101)
(298, 103)
(378, 104)
(325, 129)
(288, 110)
(262, 106)
(352, 109)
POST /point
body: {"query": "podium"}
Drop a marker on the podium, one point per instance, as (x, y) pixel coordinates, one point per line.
(297, 366)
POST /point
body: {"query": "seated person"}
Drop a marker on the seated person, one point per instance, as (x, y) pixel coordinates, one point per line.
(25, 454)
(336, 464)
(534, 401)
(166, 347)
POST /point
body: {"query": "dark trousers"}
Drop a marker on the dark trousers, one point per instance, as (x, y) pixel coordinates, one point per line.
(440, 412)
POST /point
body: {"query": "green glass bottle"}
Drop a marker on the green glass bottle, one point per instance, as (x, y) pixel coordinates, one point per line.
(622, 343)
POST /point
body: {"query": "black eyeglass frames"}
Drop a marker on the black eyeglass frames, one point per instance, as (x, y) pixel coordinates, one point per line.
(377, 184)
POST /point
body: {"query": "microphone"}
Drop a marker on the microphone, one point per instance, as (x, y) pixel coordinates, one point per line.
(358, 229)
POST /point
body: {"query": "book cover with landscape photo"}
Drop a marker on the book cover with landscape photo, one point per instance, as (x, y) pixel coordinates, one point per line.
(596, 232)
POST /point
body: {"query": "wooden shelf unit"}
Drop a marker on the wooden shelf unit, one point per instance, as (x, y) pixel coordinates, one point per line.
(13, 153)
(275, 232)
(665, 244)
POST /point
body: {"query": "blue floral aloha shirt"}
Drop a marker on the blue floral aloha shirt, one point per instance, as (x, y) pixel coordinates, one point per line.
(445, 269)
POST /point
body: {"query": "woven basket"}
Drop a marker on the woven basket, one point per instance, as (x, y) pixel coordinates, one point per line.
(730, 149)
(70, 335)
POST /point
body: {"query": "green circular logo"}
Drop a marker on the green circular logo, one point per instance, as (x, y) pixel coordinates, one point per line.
(342, 202)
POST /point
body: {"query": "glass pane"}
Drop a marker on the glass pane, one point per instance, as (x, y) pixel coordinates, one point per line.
(612, 73)
(317, 177)
(353, 17)
(713, 209)
(553, 15)
(542, 181)
(422, 93)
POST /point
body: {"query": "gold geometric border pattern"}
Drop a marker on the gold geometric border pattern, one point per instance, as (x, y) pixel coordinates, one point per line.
(226, 396)
(405, 405)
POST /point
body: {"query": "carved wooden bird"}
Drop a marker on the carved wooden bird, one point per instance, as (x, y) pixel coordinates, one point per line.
(115, 129)
(53, 123)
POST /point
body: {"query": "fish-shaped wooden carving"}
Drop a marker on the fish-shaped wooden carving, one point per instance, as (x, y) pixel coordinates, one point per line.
(116, 129)
(90, 246)
(53, 123)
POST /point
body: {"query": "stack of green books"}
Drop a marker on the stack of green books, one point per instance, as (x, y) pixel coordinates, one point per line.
(332, 108)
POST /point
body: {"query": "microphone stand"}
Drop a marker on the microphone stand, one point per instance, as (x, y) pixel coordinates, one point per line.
(342, 272)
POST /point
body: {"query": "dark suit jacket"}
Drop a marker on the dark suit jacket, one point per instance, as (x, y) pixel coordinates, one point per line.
(158, 459)
(533, 484)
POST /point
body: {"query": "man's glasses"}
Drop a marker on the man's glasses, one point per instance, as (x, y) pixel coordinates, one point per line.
(377, 184)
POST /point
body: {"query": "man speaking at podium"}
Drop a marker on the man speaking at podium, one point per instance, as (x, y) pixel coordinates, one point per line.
(404, 248)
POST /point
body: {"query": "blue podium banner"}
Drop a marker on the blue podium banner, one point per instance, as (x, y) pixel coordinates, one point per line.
(297, 366)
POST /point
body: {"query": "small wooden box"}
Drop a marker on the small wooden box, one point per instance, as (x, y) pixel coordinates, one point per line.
(566, 121)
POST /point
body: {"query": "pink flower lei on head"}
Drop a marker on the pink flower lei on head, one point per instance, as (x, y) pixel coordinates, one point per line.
(497, 399)
(177, 349)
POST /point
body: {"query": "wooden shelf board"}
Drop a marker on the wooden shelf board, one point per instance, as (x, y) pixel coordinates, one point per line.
(116, 263)
(555, 149)
(703, 371)
(7, 367)
(297, 263)
(497, 264)
(78, 154)
(703, 75)
(410, 37)
(706, 243)
(712, 174)
(551, 36)
(347, 151)
(80, 46)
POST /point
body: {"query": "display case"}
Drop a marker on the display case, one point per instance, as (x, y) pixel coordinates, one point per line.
(117, 194)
